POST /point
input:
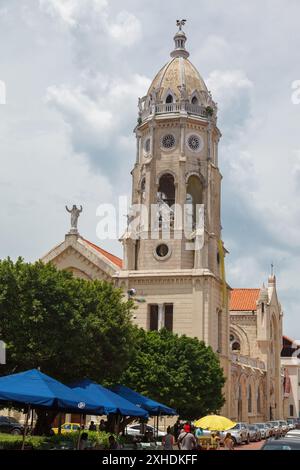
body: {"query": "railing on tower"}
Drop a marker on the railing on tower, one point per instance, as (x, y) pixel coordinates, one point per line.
(164, 108)
(247, 361)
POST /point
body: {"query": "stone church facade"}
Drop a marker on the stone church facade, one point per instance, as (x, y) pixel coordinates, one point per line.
(173, 252)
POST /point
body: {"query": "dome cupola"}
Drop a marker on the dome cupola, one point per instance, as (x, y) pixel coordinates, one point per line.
(178, 87)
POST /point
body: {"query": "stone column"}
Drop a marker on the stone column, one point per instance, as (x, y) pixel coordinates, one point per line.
(138, 147)
(161, 316)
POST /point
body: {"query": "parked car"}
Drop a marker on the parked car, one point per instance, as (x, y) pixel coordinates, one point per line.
(291, 423)
(239, 433)
(254, 433)
(293, 433)
(277, 431)
(264, 430)
(283, 443)
(136, 430)
(67, 427)
(297, 423)
(284, 426)
(271, 429)
(10, 425)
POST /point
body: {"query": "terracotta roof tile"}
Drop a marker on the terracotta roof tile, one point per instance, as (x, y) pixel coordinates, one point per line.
(114, 259)
(244, 299)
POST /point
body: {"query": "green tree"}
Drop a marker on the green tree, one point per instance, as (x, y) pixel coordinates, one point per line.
(178, 371)
(70, 328)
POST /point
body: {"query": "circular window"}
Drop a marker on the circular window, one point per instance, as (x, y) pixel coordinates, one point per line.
(147, 145)
(162, 250)
(194, 142)
(168, 141)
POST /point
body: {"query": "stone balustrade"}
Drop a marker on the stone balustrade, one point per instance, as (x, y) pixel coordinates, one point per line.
(248, 361)
(164, 108)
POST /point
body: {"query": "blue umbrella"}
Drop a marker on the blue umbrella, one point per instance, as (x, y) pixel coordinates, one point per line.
(111, 402)
(41, 391)
(153, 407)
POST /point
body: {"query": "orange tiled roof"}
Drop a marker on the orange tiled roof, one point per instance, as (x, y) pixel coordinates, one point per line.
(244, 299)
(114, 259)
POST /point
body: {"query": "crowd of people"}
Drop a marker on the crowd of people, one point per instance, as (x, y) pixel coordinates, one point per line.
(187, 437)
(184, 436)
(102, 426)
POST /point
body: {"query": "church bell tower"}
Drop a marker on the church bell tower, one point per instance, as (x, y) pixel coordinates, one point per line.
(173, 253)
(176, 179)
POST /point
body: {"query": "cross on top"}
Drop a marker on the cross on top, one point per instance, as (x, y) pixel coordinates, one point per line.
(180, 23)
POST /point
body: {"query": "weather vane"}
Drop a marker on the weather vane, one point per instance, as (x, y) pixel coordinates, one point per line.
(180, 23)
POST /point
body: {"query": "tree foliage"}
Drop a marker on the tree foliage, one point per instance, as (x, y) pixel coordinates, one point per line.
(178, 371)
(70, 328)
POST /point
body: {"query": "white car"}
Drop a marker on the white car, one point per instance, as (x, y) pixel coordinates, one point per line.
(291, 423)
(293, 433)
(137, 430)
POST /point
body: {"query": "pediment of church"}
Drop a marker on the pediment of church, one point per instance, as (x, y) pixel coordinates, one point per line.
(84, 259)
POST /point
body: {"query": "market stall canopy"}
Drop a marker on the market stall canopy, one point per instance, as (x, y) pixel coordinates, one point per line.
(153, 407)
(111, 402)
(41, 391)
(214, 423)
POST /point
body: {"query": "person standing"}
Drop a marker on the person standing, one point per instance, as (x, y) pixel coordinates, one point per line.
(228, 442)
(186, 440)
(92, 426)
(176, 428)
(187, 427)
(168, 440)
(102, 425)
(113, 445)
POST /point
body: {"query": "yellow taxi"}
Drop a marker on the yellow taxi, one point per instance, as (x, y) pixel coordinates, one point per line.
(67, 427)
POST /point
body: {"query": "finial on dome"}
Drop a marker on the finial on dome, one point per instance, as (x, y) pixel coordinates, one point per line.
(180, 39)
(180, 23)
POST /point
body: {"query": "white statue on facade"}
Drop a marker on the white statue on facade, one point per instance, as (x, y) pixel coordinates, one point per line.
(75, 213)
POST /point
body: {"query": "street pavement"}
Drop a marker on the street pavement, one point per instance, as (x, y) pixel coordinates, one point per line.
(251, 446)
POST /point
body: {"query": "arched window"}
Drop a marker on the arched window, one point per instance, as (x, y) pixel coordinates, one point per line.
(235, 343)
(194, 100)
(165, 200)
(166, 189)
(249, 397)
(194, 197)
(169, 99)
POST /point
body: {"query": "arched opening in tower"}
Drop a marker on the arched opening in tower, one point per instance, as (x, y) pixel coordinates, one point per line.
(194, 197)
(166, 199)
(169, 99)
(166, 189)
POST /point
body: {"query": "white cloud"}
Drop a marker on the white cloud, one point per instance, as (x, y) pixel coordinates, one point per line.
(74, 12)
(86, 118)
(93, 16)
(127, 28)
(226, 84)
(94, 112)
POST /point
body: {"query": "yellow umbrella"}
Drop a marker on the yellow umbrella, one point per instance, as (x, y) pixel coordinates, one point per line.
(214, 423)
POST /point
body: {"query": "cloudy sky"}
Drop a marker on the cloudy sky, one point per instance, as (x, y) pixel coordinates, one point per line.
(73, 71)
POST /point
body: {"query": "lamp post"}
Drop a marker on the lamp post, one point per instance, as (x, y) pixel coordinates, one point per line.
(131, 293)
(2, 352)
